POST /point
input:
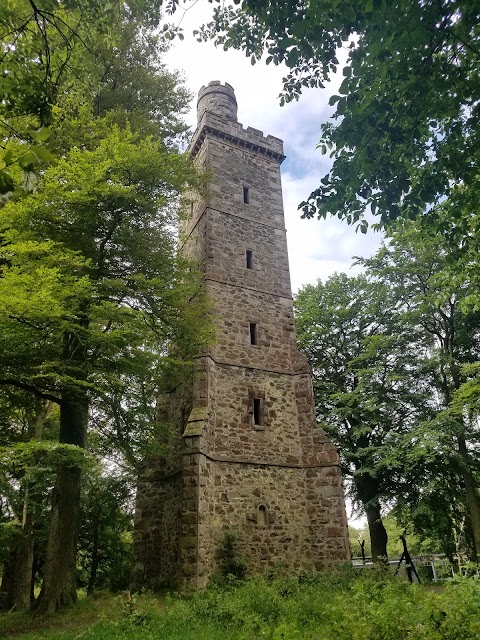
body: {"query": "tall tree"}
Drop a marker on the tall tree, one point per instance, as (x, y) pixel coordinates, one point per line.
(364, 365)
(415, 267)
(91, 289)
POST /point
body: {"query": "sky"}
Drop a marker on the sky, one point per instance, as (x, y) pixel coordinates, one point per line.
(316, 248)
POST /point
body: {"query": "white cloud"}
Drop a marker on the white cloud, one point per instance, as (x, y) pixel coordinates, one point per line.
(317, 248)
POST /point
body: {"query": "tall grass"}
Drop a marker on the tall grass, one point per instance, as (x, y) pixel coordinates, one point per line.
(334, 606)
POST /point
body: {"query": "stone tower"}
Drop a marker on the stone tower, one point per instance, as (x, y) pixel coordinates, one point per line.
(248, 453)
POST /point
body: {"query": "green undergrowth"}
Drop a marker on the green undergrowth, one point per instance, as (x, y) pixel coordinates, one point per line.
(334, 606)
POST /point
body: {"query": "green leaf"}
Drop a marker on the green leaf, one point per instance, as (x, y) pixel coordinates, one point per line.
(42, 134)
(42, 153)
(27, 160)
(344, 86)
(8, 156)
(6, 182)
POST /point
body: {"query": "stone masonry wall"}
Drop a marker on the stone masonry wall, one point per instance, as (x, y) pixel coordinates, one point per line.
(273, 316)
(235, 436)
(235, 169)
(248, 454)
(160, 493)
(275, 511)
(229, 238)
(157, 527)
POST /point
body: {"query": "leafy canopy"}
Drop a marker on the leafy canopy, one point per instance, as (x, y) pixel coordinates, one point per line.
(405, 128)
(51, 50)
(96, 239)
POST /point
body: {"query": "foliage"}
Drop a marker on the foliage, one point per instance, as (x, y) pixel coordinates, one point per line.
(363, 364)
(330, 606)
(388, 350)
(404, 133)
(97, 234)
(443, 450)
(115, 126)
(232, 562)
(105, 542)
(92, 293)
(367, 385)
(27, 473)
(50, 51)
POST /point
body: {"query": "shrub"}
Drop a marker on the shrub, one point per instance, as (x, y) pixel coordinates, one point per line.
(231, 561)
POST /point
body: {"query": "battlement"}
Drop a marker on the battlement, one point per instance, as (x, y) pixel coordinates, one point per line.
(217, 115)
(213, 125)
(216, 83)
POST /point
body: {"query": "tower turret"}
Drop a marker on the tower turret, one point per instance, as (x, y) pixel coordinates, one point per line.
(218, 99)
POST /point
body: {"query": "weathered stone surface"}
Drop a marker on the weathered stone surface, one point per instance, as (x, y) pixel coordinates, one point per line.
(245, 451)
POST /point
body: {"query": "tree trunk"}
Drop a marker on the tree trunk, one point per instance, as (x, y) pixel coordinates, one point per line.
(23, 566)
(473, 500)
(95, 560)
(368, 492)
(22, 588)
(17, 571)
(471, 493)
(378, 534)
(59, 584)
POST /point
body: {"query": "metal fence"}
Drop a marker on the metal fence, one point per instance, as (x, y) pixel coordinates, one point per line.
(430, 568)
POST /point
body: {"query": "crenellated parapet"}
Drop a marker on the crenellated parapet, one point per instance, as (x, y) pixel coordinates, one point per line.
(217, 116)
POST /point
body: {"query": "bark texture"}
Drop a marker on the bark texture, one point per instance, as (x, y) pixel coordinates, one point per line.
(368, 492)
(471, 492)
(23, 567)
(59, 588)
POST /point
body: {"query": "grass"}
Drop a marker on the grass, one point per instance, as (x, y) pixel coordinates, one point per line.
(334, 606)
(66, 624)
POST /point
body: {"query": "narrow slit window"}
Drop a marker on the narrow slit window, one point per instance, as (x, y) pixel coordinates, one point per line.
(249, 254)
(191, 208)
(253, 333)
(257, 415)
(262, 517)
(246, 197)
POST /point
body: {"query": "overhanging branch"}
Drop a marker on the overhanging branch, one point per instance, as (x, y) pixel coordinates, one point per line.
(31, 388)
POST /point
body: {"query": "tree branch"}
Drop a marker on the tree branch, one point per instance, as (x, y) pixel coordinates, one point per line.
(31, 388)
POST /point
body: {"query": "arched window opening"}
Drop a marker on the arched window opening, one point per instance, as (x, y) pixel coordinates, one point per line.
(262, 516)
